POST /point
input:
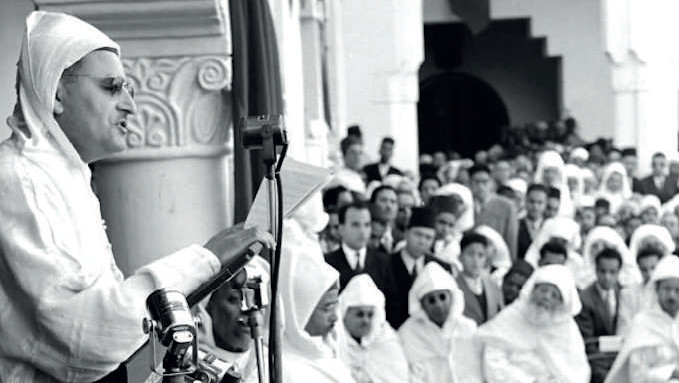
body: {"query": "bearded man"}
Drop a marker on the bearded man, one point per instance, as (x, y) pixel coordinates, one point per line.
(536, 339)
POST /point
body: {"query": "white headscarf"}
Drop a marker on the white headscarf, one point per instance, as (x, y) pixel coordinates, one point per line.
(466, 220)
(559, 227)
(518, 185)
(651, 326)
(574, 171)
(615, 198)
(629, 272)
(380, 354)
(580, 153)
(548, 159)
(52, 43)
(644, 231)
(501, 259)
(651, 201)
(560, 344)
(423, 340)
(304, 279)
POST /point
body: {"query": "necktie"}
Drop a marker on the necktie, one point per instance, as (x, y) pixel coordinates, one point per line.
(413, 273)
(387, 242)
(610, 302)
(357, 266)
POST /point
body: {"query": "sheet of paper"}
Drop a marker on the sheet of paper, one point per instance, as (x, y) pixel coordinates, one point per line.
(300, 180)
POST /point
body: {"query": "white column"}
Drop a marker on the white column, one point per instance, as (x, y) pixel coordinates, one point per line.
(384, 47)
(312, 18)
(172, 186)
(644, 58)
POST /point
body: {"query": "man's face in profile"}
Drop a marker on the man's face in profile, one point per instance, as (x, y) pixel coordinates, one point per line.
(324, 316)
(92, 105)
(668, 295)
(229, 325)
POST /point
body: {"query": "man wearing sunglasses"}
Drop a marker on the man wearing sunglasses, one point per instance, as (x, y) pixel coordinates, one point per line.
(68, 314)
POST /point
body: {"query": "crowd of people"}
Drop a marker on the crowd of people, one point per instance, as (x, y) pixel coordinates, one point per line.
(555, 262)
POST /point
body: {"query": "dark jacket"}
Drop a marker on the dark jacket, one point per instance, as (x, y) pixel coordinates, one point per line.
(647, 186)
(372, 172)
(395, 282)
(594, 321)
(472, 307)
(374, 259)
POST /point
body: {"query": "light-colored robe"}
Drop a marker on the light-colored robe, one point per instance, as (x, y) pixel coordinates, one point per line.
(304, 278)
(515, 350)
(67, 313)
(379, 357)
(650, 353)
(447, 354)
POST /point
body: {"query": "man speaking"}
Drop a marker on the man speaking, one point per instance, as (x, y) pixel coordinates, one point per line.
(67, 314)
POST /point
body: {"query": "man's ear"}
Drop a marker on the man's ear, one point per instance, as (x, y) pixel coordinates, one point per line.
(58, 100)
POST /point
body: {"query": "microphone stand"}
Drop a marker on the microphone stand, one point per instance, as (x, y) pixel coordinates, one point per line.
(267, 133)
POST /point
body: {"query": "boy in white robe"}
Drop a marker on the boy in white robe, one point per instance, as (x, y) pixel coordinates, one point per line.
(309, 290)
(651, 351)
(536, 339)
(369, 346)
(438, 341)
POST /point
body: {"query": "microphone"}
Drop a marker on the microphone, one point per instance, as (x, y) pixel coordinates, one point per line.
(227, 273)
(172, 322)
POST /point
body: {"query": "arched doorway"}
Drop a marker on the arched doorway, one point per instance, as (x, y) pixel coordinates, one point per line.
(459, 112)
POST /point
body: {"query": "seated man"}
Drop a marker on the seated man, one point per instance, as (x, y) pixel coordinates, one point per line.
(482, 296)
(353, 257)
(399, 272)
(600, 310)
(650, 352)
(536, 339)
(223, 328)
(632, 297)
(437, 338)
(309, 291)
(370, 347)
(514, 280)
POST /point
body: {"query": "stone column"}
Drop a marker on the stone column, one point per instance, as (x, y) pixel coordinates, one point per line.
(312, 19)
(172, 186)
(644, 59)
(384, 47)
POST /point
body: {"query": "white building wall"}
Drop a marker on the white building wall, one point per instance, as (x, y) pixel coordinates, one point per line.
(383, 43)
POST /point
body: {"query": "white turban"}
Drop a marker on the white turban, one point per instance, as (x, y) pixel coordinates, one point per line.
(561, 277)
(466, 220)
(644, 231)
(53, 42)
(432, 278)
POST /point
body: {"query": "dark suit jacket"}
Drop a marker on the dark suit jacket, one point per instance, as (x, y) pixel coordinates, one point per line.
(472, 307)
(395, 282)
(594, 321)
(500, 214)
(523, 239)
(372, 172)
(374, 259)
(669, 189)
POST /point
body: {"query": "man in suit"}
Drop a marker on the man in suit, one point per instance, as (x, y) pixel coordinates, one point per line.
(396, 275)
(379, 170)
(482, 297)
(536, 203)
(629, 160)
(492, 210)
(600, 311)
(353, 256)
(384, 201)
(659, 183)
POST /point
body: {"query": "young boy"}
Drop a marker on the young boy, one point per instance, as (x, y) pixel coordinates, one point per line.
(536, 204)
(600, 310)
(554, 252)
(482, 297)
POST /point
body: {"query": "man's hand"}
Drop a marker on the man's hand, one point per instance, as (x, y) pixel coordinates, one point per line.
(232, 241)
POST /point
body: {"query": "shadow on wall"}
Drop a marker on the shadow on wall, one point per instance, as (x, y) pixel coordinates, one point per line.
(459, 112)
